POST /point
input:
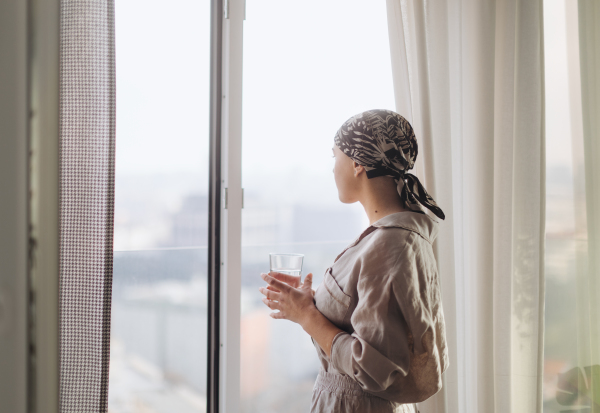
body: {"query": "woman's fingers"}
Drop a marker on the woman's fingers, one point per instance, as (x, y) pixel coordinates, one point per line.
(293, 280)
(273, 305)
(281, 286)
(272, 289)
(270, 294)
(308, 281)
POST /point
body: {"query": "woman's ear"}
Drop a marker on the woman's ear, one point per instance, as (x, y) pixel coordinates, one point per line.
(358, 169)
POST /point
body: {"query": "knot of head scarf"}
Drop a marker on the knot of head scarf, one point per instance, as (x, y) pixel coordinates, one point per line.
(384, 143)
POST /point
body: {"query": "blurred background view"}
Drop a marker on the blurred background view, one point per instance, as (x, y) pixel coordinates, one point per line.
(308, 66)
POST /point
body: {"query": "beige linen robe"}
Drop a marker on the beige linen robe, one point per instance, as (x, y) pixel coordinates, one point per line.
(384, 292)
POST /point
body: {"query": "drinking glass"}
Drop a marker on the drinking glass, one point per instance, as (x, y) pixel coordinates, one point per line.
(290, 264)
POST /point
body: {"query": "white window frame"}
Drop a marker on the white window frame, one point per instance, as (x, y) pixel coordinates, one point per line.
(231, 205)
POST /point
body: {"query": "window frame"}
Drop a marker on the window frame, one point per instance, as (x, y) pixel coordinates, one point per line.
(225, 206)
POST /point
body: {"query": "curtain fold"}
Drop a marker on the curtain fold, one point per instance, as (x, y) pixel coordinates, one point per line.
(87, 166)
(476, 97)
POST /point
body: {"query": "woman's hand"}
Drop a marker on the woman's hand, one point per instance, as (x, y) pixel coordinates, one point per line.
(293, 302)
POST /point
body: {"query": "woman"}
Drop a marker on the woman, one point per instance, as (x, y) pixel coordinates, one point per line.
(376, 320)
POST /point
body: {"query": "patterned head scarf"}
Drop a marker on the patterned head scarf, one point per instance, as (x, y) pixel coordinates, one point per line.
(384, 143)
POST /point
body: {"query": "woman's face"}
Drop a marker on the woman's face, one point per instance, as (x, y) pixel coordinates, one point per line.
(345, 180)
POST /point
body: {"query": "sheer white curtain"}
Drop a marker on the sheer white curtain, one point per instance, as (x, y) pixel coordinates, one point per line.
(469, 76)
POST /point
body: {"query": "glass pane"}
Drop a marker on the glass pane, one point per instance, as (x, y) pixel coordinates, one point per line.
(307, 69)
(159, 309)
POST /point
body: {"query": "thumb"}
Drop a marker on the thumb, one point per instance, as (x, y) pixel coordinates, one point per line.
(308, 280)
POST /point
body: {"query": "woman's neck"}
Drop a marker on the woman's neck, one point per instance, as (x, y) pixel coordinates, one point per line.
(377, 207)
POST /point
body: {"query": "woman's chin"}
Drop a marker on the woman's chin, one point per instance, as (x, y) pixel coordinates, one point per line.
(345, 200)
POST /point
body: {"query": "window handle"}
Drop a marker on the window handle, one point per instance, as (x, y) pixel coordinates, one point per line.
(225, 199)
